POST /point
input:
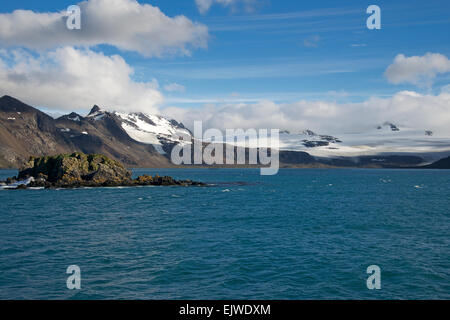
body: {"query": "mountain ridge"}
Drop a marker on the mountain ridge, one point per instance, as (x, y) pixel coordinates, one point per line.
(26, 131)
(142, 140)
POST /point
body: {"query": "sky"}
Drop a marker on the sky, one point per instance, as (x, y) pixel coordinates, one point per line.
(239, 63)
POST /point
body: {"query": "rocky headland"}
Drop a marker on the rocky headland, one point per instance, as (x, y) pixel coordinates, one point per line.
(78, 170)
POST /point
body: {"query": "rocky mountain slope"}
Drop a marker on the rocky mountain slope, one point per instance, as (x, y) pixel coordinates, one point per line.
(26, 131)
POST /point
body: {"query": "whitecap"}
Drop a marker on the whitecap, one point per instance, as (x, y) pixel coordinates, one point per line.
(14, 185)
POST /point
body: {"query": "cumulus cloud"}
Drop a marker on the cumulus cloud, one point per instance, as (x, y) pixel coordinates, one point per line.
(125, 24)
(418, 70)
(175, 87)
(204, 5)
(406, 108)
(72, 79)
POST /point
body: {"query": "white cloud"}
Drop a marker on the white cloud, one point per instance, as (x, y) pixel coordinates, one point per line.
(312, 42)
(71, 79)
(174, 87)
(405, 108)
(204, 5)
(125, 24)
(418, 70)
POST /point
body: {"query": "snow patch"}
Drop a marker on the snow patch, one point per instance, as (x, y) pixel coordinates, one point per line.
(77, 118)
(99, 117)
(151, 129)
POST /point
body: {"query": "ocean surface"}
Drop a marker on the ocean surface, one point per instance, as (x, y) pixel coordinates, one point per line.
(302, 234)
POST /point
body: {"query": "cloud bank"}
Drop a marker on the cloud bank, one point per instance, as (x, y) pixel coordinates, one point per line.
(72, 79)
(406, 108)
(125, 24)
(417, 70)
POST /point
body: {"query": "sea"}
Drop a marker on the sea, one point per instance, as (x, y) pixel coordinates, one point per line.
(301, 234)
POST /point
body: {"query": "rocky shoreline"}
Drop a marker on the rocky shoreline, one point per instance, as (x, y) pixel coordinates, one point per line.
(79, 170)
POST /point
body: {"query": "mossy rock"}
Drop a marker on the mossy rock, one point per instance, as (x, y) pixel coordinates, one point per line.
(88, 170)
(76, 168)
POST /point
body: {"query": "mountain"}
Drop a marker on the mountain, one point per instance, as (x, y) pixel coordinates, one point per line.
(135, 139)
(440, 164)
(26, 131)
(158, 131)
(357, 145)
(144, 140)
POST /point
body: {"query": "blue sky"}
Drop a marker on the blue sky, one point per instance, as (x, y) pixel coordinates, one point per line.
(258, 63)
(288, 50)
(263, 55)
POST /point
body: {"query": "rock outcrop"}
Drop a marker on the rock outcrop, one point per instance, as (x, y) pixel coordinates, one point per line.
(86, 170)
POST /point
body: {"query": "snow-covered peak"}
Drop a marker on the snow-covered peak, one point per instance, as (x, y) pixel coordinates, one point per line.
(71, 117)
(95, 109)
(96, 113)
(308, 133)
(152, 129)
(146, 128)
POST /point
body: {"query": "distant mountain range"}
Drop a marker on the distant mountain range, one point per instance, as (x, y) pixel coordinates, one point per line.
(441, 164)
(142, 140)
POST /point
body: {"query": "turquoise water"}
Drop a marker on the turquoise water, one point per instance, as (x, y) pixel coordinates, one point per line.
(303, 234)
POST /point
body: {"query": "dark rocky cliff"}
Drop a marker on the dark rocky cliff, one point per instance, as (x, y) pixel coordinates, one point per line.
(85, 170)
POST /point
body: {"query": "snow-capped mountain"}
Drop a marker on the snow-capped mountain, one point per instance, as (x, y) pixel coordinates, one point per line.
(386, 138)
(143, 140)
(153, 129)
